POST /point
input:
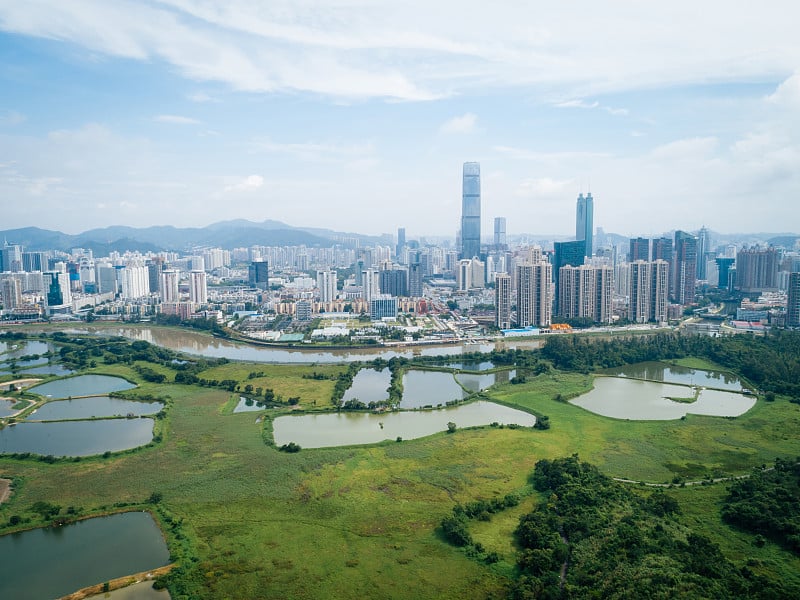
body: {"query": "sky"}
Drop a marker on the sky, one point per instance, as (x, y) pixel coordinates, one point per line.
(357, 115)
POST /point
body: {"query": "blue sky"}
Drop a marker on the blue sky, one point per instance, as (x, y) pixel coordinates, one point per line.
(357, 115)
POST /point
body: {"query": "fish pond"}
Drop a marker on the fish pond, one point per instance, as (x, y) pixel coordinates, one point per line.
(638, 400)
(663, 372)
(76, 438)
(351, 428)
(93, 407)
(369, 385)
(52, 562)
(82, 385)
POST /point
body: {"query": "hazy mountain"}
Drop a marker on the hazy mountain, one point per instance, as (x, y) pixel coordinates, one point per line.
(226, 234)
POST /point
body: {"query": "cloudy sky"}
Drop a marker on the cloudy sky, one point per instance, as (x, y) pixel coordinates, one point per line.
(358, 114)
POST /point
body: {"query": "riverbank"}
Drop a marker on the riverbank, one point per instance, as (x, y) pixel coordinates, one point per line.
(121, 583)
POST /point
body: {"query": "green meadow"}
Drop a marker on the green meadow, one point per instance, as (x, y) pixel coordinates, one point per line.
(362, 521)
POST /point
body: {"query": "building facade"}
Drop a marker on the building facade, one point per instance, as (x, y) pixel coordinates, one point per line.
(502, 300)
(534, 294)
(586, 292)
(648, 287)
(471, 210)
(793, 304)
(584, 221)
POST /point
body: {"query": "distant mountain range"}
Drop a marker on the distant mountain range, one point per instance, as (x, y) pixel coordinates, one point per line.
(242, 233)
(225, 234)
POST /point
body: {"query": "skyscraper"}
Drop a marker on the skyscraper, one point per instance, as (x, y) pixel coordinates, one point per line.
(703, 246)
(500, 241)
(584, 221)
(685, 268)
(258, 274)
(168, 286)
(502, 300)
(640, 249)
(471, 211)
(401, 242)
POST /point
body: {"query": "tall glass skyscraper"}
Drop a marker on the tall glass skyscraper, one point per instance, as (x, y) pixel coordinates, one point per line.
(471, 211)
(584, 221)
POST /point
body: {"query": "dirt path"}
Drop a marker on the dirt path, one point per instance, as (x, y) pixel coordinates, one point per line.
(20, 382)
(5, 490)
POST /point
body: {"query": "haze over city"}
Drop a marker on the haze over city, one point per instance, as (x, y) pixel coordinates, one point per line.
(359, 117)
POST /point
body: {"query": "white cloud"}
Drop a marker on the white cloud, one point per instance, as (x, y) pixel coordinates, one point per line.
(316, 151)
(787, 93)
(11, 117)
(417, 51)
(201, 97)
(248, 184)
(577, 104)
(176, 120)
(545, 187)
(463, 124)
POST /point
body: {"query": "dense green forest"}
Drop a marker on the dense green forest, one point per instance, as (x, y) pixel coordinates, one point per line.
(768, 504)
(592, 537)
(771, 362)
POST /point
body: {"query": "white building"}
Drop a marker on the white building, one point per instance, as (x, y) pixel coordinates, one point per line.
(134, 281)
(169, 286)
(326, 284)
(198, 287)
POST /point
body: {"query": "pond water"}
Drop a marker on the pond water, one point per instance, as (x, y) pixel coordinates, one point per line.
(94, 406)
(471, 366)
(7, 408)
(247, 405)
(200, 344)
(48, 369)
(76, 438)
(23, 364)
(478, 383)
(344, 429)
(369, 385)
(429, 388)
(26, 348)
(83, 385)
(638, 400)
(658, 371)
(55, 561)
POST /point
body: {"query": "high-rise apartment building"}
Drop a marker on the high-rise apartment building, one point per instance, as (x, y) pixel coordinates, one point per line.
(326, 284)
(648, 287)
(471, 210)
(502, 300)
(370, 283)
(134, 281)
(793, 305)
(585, 292)
(584, 221)
(198, 287)
(640, 249)
(534, 294)
(724, 265)
(757, 270)
(168, 286)
(12, 294)
(684, 268)
(567, 253)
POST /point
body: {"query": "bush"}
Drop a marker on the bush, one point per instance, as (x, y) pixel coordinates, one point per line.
(291, 447)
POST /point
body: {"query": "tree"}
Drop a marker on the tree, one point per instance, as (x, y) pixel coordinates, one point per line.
(451, 427)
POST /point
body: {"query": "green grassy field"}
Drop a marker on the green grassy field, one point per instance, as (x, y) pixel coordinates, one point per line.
(361, 522)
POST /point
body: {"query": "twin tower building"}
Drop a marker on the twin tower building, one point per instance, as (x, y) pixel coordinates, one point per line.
(534, 284)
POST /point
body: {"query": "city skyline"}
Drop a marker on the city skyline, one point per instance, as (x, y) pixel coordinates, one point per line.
(189, 114)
